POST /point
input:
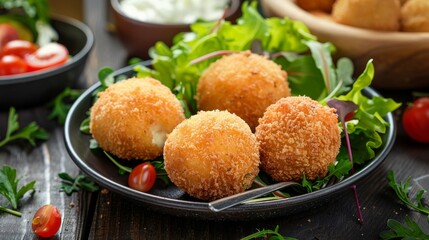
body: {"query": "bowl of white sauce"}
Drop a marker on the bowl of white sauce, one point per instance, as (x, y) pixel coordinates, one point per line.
(141, 23)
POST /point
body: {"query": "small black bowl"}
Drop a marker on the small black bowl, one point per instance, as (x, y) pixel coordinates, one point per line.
(35, 88)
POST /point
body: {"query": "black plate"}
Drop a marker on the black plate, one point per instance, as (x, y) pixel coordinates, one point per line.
(171, 200)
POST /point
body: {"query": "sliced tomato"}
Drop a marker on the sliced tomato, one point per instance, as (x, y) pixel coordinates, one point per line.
(11, 64)
(19, 48)
(7, 33)
(47, 56)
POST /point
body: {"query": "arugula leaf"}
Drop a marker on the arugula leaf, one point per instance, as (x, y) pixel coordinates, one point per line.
(410, 230)
(84, 126)
(338, 170)
(31, 132)
(121, 168)
(59, 106)
(268, 234)
(172, 65)
(70, 184)
(402, 189)
(160, 170)
(9, 187)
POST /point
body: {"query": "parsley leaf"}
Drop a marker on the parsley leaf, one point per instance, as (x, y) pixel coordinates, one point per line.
(31, 133)
(268, 234)
(59, 105)
(70, 184)
(410, 230)
(402, 189)
(9, 188)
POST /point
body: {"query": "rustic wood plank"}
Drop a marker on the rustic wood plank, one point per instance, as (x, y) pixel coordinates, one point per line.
(42, 164)
(106, 215)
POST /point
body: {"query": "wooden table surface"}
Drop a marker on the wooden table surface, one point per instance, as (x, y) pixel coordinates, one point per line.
(106, 215)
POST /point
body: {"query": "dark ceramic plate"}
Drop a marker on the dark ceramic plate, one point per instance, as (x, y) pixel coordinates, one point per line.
(34, 88)
(172, 200)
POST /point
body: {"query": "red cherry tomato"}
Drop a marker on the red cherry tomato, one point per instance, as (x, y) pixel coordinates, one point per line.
(349, 116)
(47, 221)
(7, 33)
(19, 48)
(47, 56)
(142, 177)
(10, 64)
(415, 120)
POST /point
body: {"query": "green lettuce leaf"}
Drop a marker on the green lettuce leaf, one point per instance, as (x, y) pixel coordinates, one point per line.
(365, 133)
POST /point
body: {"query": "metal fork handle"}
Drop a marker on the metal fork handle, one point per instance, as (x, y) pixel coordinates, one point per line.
(230, 201)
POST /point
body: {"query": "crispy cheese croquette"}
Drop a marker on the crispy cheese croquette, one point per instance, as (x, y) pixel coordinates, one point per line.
(131, 118)
(298, 136)
(212, 155)
(415, 16)
(370, 14)
(244, 84)
(316, 5)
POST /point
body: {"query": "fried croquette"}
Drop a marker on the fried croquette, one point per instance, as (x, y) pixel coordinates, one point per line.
(370, 14)
(415, 16)
(244, 84)
(298, 137)
(316, 5)
(212, 155)
(131, 118)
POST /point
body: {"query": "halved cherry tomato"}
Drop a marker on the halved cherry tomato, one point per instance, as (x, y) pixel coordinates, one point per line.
(47, 56)
(415, 120)
(19, 48)
(142, 177)
(10, 64)
(7, 33)
(46, 221)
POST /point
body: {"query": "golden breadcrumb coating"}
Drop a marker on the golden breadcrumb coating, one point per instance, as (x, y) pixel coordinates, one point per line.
(316, 5)
(244, 84)
(371, 14)
(212, 155)
(298, 136)
(415, 16)
(131, 118)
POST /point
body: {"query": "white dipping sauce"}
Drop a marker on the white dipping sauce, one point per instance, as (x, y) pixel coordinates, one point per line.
(174, 11)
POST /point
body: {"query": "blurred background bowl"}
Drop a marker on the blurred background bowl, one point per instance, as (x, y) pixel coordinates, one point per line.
(401, 59)
(35, 88)
(138, 37)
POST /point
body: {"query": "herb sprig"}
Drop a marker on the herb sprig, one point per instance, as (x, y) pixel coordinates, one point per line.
(9, 189)
(31, 132)
(71, 184)
(268, 234)
(409, 230)
(61, 106)
(402, 189)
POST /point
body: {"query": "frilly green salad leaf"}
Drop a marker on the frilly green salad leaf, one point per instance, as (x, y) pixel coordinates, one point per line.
(308, 63)
(366, 129)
